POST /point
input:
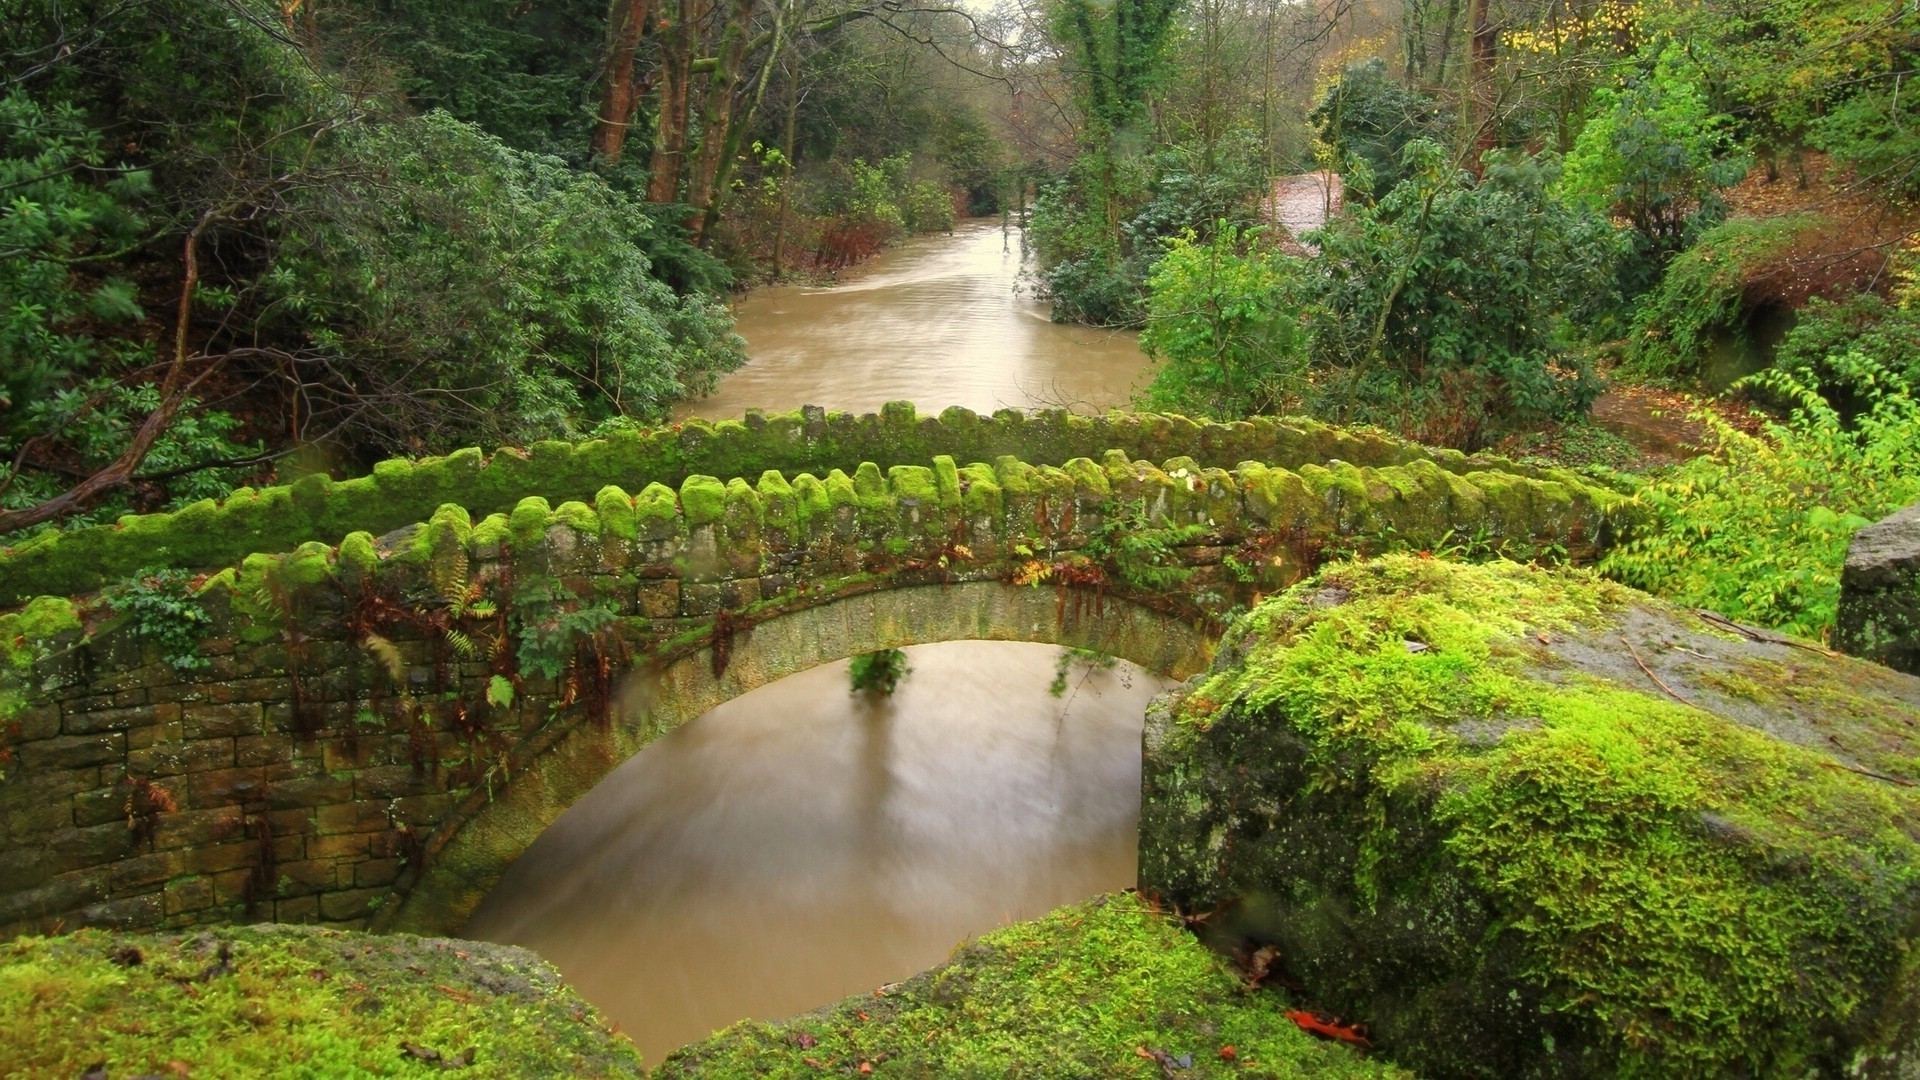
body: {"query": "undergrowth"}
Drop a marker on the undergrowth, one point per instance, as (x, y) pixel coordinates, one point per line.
(879, 672)
(161, 609)
(1758, 527)
(1095, 989)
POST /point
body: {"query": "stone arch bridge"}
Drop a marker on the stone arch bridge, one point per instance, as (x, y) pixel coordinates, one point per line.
(371, 728)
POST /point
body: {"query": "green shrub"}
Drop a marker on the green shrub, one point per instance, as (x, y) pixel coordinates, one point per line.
(1226, 318)
(1885, 332)
(1451, 301)
(1703, 292)
(161, 610)
(1757, 529)
(473, 293)
(879, 672)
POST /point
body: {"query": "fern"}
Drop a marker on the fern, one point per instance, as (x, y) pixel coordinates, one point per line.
(388, 655)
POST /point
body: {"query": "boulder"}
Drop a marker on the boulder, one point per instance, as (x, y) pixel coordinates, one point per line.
(1879, 617)
(1533, 823)
(1108, 988)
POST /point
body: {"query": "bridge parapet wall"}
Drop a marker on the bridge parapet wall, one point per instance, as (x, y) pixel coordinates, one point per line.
(353, 706)
(210, 534)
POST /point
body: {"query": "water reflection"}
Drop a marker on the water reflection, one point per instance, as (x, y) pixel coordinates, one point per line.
(800, 843)
(936, 322)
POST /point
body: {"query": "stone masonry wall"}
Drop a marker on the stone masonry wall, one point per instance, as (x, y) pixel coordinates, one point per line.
(358, 700)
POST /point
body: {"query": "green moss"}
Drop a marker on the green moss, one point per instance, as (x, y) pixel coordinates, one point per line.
(703, 499)
(357, 550)
(528, 523)
(980, 492)
(310, 564)
(615, 508)
(578, 516)
(946, 477)
(870, 490)
(24, 634)
(778, 504)
(491, 530)
(282, 1001)
(1079, 993)
(1692, 896)
(656, 512)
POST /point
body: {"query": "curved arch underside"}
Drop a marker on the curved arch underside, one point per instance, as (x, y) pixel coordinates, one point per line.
(469, 853)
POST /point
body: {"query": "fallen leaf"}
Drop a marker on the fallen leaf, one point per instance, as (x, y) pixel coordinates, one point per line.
(1228, 1053)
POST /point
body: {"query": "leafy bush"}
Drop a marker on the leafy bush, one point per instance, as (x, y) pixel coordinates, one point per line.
(1227, 318)
(1451, 300)
(1757, 529)
(879, 672)
(468, 292)
(1367, 118)
(1657, 154)
(160, 607)
(1703, 292)
(1095, 272)
(1885, 332)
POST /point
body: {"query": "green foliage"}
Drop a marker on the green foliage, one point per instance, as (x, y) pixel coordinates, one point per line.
(1758, 528)
(1118, 51)
(1098, 274)
(61, 317)
(513, 287)
(1657, 154)
(879, 672)
(1137, 551)
(1086, 659)
(1086, 991)
(291, 1001)
(1365, 121)
(1885, 332)
(550, 626)
(160, 607)
(1703, 293)
(1452, 300)
(525, 72)
(1227, 318)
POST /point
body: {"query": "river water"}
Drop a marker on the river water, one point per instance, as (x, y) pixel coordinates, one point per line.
(803, 843)
(938, 321)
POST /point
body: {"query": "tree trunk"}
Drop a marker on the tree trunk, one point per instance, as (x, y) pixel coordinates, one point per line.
(678, 37)
(626, 22)
(1480, 81)
(716, 119)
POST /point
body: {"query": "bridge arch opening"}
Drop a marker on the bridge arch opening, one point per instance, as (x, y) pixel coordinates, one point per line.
(471, 851)
(803, 842)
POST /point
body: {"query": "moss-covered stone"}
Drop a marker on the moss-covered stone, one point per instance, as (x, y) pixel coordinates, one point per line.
(292, 1001)
(703, 499)
(1092, 990)
(1468, 805)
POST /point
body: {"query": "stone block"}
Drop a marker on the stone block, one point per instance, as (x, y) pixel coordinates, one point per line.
(187, 894)
(1879, 615)
(217, 859)
(351, 817)
(337, 846)
(176, 758)
(199, 828)
(40, 722)
(123, 912)
(59, 895)
(157, 867)
(297, 909)
(348, 903)
(262, 749)
(74, 751)
(164, 727)
(223, 786)
(375, 873)
(659, 599)
(310, 791)
(206, 720)
(113, 700)
(389, 781)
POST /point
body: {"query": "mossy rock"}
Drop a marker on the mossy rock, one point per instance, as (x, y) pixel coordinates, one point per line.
(1091, 990)
(1532, 823)
(293, 1001)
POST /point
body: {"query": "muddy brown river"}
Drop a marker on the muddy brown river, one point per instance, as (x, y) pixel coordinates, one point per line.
(938, 321)
(803, 843)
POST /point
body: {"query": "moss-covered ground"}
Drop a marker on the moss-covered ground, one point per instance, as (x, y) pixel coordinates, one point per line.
(292, 1002)
(1108, 988)
(1471, 799)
